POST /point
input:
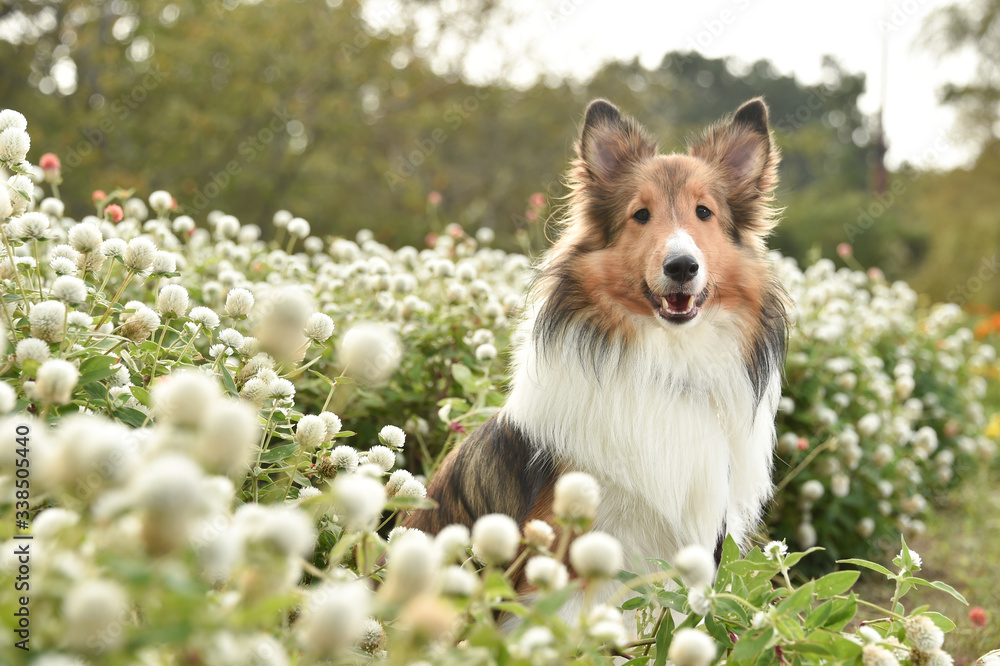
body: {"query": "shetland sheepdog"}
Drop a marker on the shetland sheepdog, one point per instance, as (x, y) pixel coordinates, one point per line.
(652, 353)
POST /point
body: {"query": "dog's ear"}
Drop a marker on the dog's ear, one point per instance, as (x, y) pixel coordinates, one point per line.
(610, 143)
(742, 146)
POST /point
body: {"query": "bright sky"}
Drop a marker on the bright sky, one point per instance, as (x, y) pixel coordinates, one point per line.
(576, 37)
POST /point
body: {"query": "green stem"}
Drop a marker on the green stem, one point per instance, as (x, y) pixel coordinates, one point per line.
(118, 294)
(802, 465)
(189, 342)
(104, 284)
(38, 267)
(291, 475)
(159, 348)
(260, 452)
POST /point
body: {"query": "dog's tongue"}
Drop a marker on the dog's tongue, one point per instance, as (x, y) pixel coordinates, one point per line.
(679, 303)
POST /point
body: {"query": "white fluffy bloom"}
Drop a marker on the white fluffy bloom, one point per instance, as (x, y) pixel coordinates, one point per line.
(358, 500)
(812, 490)
(184, 398)
(453, 543)
(596, 555)
(546, 573)
(55, 381)
(206, 317)
(576, 496)
(114, 247)
(775, 550)
(923, 634)
(31, 349)
(486, 352)
(333, 618)
(160, 201)
(869, 424)
(239, 302)
(52, 207)
(69, 289)
(140, 324)
(370, 352)
(696, 564)
(298, 227)
(284, 530)
(382, 456)
(332, 422)
(495, 538)
(8, 398)
(454, 581)
(17, 186)
(806, 535)
(63, 266)
(396, 481)
(412, 564)
(392, 436)
(539, 534)
(95, 609)
(281, 389)
(30, 226)
(12, 118)
(163, 262)
(139, 253)
(310, 431)
(691, 647)
(228, 438)
(173, 299)
(876, 655)
(14, 145)
(319, 327)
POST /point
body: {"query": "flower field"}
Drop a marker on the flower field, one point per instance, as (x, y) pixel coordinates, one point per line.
(207, 440)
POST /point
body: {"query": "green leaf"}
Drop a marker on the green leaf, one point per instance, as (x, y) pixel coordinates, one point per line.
(551, 603)
(843, 612)
(793, 558)
(497, 587)
(818, 617)
(227, 380)
(798, 600)
(938, 585)
(664, 635)
(463, 375)
(278, 453)
(142, 395)
(344, 433)
(511, 607)
(942, 622)
(132, 417)
(743, 568)
(718, 631)
(836, 583)
(95, 369)
(867, 565)
(751, 644)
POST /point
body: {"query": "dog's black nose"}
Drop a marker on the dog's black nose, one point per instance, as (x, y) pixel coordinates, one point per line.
(680, 268)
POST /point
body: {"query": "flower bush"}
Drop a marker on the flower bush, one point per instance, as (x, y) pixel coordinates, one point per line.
(179, 394)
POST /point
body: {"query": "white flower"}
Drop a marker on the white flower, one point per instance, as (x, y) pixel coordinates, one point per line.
(229, 436)
(239, 302)
(876, 655)
(319, 327)
(454, 581)
(806, 535)
(55, 381)
(113, 247)
(63, 266)
(182, 224)
(412, 563)
(16, 186)
(576, 496)
(359, 500)
(52, 207)
(333, 618)
(298, 227)
(605, 624)
(382, 456)
(412, 488)
(139, 253)
(699, 600)
(8, 398)
(163, 262)
(539, 534)
(775, 550)
(69, 289)
(30, 226)
(546, 573)
(869, 424)
(31, 349)
(495, 538)
(370, 352)
(281, 389)
(691, 647)
(95, 612)
(184, 398)
(453, 543)
(139, 325)
(283, 530)
(281, 219)
(396, 481)
(14, 145)
(840, 485)
(206, 317)
(310, 432)
(332, 422)
(923, 634)
(812, 490)
(173, 299)
(485, 235)
(486, 352)
(696, 564)
(231, 338)
(596, 555)
(12, 118)
(227, 226)
(160, 201)
(939, 658)
(392, 436)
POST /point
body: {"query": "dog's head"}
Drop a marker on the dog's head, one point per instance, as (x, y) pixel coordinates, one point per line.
(670, 236)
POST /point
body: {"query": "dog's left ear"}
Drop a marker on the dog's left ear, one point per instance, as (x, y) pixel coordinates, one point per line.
(611, 143)
(743, 148)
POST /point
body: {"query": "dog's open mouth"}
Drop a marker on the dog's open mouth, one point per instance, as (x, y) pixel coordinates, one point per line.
(678, 307)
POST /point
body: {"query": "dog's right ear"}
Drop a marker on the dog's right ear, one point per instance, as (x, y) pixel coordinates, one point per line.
(610, 143)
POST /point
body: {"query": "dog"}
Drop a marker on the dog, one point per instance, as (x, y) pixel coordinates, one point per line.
(652, 350)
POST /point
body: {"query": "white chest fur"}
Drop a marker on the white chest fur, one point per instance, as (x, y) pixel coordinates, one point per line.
(669, 428)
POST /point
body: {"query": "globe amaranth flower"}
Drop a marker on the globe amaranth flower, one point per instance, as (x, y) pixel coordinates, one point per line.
(538, 534)
(412, 565)
(47, 319)
(392, 436)
(923, 634)
(576, 496)
(319, 327)
(696, 565)
(546, 573)
(596, 555)
(30, 226)
(298, 227)
(332, 422)
(310, 432)
(55, 381)
(173, 299)
(95, 607)
(19, 192)
(358, 500)
(140, 324)
(453, 543)
(69, 289)
(113, 247)
(370, 352)
(12, 118)
(31, 349)
(163, 262)
(139, 253)
(691, 647)
(14, 145)
(205, 317)
(239, 302)
(456, 581)
(161, 201)
(334, 618)
(495, 538)
(383, 457)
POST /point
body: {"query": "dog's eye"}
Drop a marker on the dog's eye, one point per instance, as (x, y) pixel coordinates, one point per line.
(702, 213)
(641, 216)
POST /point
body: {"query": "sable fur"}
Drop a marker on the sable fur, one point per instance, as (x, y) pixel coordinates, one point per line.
(674, 418)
